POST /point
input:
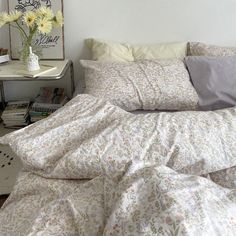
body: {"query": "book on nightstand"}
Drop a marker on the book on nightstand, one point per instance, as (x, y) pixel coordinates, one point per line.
(33, 74)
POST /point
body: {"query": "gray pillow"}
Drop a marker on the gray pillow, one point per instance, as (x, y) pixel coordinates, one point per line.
(214, 79)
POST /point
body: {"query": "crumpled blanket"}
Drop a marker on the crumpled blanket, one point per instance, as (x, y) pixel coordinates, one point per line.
(93, 169)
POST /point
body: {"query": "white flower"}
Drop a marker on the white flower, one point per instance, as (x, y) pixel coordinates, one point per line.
(4, 18)
(29, 18)
(44, 26)
(14, 16)
(58, 19)
(44, 12)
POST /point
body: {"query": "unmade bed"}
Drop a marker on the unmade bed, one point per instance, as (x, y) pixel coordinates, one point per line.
(95, 168)
(92, 168)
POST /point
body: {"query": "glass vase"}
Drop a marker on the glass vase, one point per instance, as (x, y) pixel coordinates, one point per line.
(25, 51)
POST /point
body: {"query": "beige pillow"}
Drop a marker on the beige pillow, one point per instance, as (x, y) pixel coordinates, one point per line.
(110, 51)
(201, 49)
(160, 51)
(145, 84)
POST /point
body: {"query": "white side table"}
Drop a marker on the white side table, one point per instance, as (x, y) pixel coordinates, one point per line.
(8, 73)
(10, 165)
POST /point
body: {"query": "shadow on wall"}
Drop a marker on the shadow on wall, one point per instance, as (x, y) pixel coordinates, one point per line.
(84, 54)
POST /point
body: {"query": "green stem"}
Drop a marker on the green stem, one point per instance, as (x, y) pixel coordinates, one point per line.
(31, 34)
(21, 33)
(17, 29)
(21, 29)
(14, 26)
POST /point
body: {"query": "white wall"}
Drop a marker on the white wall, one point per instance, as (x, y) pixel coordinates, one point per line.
(145, 21)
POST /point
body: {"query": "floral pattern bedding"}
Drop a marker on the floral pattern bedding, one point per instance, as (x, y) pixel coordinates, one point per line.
(93, 169)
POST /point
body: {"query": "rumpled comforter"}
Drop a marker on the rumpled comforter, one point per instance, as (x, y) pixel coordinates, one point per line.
(93, 169)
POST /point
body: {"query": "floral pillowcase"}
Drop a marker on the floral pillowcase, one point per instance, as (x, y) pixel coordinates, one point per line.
(202, 49)
(145, 84)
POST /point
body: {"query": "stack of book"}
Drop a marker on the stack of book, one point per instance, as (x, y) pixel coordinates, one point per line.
(16, 114)
(48, 101)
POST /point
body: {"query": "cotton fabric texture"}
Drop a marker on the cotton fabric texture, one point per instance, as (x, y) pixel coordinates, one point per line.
(94, 169)
(214, 79)
(145, 84)
(202, 49)
(103, 50)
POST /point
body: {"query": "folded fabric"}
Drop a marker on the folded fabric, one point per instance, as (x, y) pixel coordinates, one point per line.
(89, 137)
(202, 49)
(149, 201)
(214, 79)
(103, 50)
(160, 201)
(134, 162)
(146, 84)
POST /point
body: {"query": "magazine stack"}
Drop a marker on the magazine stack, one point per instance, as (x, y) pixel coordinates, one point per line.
(48, 101)
(16, 114)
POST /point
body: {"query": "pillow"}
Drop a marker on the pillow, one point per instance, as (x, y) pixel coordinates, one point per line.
(160, 201)
(110, 51)
(160, 51)
(146, 84)
(201, 49)
(214, 79)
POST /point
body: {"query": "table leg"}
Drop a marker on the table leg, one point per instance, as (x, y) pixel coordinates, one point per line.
(2, 94)
(72, 77)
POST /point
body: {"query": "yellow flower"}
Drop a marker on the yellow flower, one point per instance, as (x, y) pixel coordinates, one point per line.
(44, 26)
(29, 18)
(3, 19)
(58, 19)
(14, 16)
(44, 12)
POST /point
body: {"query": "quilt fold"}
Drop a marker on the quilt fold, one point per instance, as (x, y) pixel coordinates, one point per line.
(93, 169)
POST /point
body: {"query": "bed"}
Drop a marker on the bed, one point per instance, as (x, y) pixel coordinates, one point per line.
(92, 168)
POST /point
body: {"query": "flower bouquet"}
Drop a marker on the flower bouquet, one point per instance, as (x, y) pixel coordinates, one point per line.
(30, 23)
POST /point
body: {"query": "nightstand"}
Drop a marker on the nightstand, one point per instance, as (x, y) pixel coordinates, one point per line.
(10, 164)
(8, 73)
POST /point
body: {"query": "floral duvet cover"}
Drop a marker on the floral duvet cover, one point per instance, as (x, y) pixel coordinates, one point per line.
(94, 169)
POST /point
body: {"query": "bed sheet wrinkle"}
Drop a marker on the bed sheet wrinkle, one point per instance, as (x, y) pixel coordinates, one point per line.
(135, 131)
(141, 170)
(156, 90)
(135, 87)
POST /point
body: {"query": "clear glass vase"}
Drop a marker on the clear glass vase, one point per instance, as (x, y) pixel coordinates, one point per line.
(25, 50)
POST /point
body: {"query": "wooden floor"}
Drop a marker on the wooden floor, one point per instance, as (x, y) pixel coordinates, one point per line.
(3, 199)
